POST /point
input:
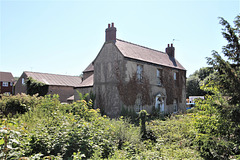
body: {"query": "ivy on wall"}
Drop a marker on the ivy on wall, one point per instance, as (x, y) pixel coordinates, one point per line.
(128, 91)
(36, 87)
(173, 87)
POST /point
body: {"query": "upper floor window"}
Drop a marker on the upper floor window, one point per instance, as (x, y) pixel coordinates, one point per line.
(11, 83)
(23, 82)
(159, 75)
(174, 75)
(5, 84)
(139, 72)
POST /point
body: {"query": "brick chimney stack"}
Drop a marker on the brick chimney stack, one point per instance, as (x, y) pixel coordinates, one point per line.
(170, 50)
(111, 33)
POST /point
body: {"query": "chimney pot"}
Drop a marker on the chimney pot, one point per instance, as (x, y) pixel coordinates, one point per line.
(170, 50)
(111, 33)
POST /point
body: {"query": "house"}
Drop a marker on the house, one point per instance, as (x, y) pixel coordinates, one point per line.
(135, 77)
(6, 83)
(51, 84)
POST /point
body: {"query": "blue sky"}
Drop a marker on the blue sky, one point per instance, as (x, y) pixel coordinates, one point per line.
(64, 37)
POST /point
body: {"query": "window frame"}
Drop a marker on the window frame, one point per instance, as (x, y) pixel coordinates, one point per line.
(139, 72)
(174, 76)
(159, 75)
(5, 84)
(23, 81)
(175, 105)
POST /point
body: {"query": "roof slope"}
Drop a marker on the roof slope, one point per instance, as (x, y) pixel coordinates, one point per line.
(87, 82)
(6, 77)
(55, 79)
(145, 54)
(89, 68)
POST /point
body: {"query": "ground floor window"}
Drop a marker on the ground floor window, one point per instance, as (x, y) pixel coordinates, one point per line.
(138, 104)
(5, 84)
(175, 105)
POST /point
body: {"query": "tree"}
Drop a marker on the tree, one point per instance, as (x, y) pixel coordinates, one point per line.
(228, 71)
(196, 80)
(219, 124)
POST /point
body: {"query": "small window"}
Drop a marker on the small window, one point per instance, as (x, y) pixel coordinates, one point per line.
(7, 93)
(159, 75)
(138, 104)
(139, 72)
(174, 75)
(175, 105)
(5, 84)
(11, 83)
(23, 82)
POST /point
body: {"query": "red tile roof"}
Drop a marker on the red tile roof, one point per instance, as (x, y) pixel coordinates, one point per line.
(134, 51)
(55, 79)
(6, 77)
(87, 82)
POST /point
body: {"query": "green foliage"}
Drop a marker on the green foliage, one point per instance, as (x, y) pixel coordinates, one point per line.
(36, 87)
(74, 131)
(129, 113)
(196, 80)
(19, 103)
(218, 121)
(88, 97)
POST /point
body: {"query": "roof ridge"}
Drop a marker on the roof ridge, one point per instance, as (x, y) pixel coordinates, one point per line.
(51, 74)
(141, 46)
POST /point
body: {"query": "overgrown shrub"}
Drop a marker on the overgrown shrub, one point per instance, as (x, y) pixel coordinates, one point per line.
(19, 103)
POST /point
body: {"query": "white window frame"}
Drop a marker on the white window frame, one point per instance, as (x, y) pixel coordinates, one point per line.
(5, 84)
(140, 72)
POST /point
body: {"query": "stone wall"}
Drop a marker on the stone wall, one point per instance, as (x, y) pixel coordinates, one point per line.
(105, 81)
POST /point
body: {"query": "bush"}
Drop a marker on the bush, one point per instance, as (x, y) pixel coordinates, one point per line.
(19, 103)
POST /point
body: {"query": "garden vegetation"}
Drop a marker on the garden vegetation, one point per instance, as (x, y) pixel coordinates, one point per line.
(36, 127)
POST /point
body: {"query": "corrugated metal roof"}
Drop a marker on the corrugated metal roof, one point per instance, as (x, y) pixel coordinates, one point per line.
(87, 82)
(145, 54)
(55, 79)
(6, 77)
